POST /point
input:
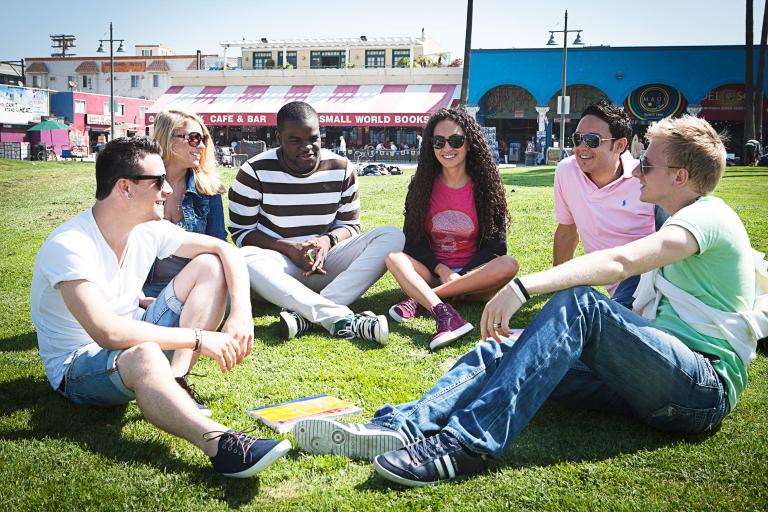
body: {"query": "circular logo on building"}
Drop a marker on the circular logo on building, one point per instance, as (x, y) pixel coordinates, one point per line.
(655, 101)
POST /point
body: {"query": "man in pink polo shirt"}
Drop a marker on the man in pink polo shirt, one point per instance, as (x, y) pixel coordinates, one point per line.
(596, 198)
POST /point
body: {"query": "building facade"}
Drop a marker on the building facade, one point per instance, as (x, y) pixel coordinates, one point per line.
(516, 90)
(376, 102)
(145, 75)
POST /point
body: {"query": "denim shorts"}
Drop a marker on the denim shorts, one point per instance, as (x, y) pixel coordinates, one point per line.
(93, 379)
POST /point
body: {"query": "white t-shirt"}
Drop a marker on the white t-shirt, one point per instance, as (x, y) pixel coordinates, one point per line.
(77, 250)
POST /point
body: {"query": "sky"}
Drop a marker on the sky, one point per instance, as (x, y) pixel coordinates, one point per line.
(190, 25)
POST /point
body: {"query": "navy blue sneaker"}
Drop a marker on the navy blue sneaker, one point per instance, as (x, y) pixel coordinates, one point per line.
(190, 389)
(241, 455)
(323, 436)
(430, 461)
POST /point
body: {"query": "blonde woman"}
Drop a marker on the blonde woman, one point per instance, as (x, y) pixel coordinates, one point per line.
(195, 203)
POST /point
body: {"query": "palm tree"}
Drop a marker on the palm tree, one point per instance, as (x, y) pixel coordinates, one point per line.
(467, 46)
(749, 81)
(759, 98)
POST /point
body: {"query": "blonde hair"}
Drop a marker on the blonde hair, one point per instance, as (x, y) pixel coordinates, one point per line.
(207, 179)
(692, 143)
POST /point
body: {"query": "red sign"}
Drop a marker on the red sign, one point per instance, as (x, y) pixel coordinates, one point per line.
(726, 103)
(256, 119)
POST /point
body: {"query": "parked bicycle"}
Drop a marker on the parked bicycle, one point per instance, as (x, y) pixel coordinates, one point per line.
(48, 153)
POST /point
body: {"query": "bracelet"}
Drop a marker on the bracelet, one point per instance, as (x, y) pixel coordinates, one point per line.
(198, 340)
(332, 237)
(522, 289)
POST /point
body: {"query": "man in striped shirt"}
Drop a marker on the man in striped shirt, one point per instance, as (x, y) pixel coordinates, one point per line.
(295, 212)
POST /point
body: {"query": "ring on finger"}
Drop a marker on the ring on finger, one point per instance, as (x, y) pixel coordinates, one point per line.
(497, 324)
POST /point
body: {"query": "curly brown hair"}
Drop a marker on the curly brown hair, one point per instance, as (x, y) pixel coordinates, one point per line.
(490, 200)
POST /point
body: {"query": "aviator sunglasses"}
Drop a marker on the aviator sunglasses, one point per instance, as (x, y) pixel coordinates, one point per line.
(194, 138)
(455, 141)
(159, 178)
(592, 140)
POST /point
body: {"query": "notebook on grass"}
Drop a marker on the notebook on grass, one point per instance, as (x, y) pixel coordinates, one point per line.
(281, 417)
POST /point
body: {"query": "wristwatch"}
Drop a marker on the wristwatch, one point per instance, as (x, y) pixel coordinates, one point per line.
(333, 238)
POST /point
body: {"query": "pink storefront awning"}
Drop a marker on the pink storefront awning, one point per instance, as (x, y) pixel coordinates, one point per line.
(336, 105)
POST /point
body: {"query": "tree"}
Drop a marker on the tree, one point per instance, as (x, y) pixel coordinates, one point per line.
(467, 47)
(749, 81)
(759, 98)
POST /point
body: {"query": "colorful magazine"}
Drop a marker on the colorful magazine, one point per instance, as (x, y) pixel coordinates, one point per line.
(281, 417)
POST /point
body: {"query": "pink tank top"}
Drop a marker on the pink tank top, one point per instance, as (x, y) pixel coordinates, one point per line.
(452, 223)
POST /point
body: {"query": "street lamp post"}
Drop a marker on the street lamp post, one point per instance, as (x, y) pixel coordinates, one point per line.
(111, 41)
(577, 42)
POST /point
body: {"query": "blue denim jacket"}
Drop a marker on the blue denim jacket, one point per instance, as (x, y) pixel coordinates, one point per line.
(202, 214)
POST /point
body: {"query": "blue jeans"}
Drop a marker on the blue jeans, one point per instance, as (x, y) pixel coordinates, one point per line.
(623, 293)
(93, 378)
(583, 349)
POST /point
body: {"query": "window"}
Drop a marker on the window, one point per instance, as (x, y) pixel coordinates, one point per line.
(260, 59)
(374, 58)
(142, 114)
(87, 82)
(398, 56)
(327, 59)
(36, 81)
(79, 107)
(290, 58)
(135, 81)
(71, 80)
(146, 53)
(155, 80)
(119, 111)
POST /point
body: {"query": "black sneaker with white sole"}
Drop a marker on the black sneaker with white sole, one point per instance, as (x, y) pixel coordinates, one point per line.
(366, 326)
(242, 456)
(292, 324)
(190, 389)
(323, 436)
(429, 461)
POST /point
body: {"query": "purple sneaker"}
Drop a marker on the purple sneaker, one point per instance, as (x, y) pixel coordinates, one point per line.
(406, 310)
(450, 326)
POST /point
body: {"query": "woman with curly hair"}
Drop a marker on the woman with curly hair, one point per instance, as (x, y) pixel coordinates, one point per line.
(195, 203)
(455, 227)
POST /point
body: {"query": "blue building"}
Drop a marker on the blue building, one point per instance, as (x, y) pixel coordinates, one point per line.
(516, 90)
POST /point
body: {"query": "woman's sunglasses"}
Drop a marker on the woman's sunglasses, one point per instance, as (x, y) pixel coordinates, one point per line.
(159, 178)
(592, 140)
(455, 141)
(194, 138)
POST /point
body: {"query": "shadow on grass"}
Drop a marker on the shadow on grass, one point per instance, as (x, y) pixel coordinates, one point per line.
(21, 343)
(99, 431)
(745, 174)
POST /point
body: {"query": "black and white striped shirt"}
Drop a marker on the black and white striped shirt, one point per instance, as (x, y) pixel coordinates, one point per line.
(267, 198)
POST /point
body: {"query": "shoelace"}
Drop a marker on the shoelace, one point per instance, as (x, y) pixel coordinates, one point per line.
(360, 325)
(410, 306)
(234, 438)
(189, 388)
(427, 449)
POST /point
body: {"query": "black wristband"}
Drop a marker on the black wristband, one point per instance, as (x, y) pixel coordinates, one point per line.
(522, 288)
(332, 237)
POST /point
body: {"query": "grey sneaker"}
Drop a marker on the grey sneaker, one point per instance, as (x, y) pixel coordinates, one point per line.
(292, 324)
(366, 326)
(323, 436)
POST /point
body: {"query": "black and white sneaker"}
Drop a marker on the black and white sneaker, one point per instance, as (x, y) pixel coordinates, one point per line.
(430, 461)
(292, 324)
(242, 456)
(366, 326)
(190, 389)
(323, 436)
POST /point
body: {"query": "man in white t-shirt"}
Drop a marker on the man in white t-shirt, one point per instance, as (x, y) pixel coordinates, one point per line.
(102, 346)
(596, 199)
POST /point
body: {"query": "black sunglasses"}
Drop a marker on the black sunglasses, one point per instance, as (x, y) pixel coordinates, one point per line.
(645, 168)
(194, 138)
(592, 140)
(159, 178)
(455, 141)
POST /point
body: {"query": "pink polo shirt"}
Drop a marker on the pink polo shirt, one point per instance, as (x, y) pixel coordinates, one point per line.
(605, 217)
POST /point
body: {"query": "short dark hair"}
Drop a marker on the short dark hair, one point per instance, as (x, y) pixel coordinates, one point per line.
(617, 119)
(121, 157)
(295, 111)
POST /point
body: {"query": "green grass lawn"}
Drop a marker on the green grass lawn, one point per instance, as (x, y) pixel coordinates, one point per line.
(54, 456)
